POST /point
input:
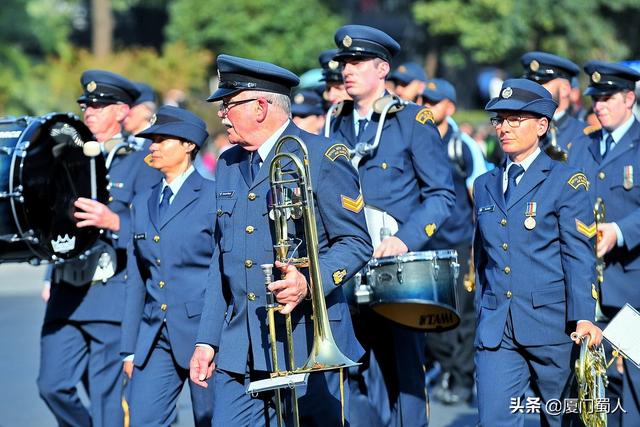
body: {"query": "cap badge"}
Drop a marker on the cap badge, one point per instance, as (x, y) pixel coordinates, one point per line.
(346, 41)
(152, 120)
(333, 65)
(299, 98)
(596, 77)
(91, 86)
(534, 66)
(402, 69)
(507, 92)
(431, 85)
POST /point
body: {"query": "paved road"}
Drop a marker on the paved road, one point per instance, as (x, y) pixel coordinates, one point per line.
(21, 312)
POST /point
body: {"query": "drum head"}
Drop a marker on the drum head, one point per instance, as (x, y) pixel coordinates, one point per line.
(53, 173)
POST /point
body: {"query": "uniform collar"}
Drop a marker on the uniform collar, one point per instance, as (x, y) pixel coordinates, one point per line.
(618, 133)
(177, 182)
(266, 147)
(526, 162)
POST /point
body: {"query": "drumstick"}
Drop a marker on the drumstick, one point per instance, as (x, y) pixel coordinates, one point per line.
(92, 149)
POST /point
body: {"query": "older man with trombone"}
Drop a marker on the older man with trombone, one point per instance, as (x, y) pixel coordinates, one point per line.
(257, 204)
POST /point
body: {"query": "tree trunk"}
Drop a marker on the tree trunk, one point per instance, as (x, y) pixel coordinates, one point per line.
(101, 28)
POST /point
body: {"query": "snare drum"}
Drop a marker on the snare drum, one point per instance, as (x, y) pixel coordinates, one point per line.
(416, 289)
(43, 170)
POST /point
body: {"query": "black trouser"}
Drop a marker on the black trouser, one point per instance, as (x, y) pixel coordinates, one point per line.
(454, 349)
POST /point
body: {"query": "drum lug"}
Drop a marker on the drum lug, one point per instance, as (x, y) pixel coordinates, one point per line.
(399, 273)
(13, 195)
(10, 238)
(436, 268)
(456, 269)
(6, 150)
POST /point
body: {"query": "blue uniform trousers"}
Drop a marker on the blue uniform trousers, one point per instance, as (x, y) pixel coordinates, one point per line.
(399, 353)
(318, 403)
(505, 373)
(156, 387)
(67, 350)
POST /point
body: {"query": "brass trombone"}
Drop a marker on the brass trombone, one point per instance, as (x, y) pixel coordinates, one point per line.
(292, 197)
(552, 149)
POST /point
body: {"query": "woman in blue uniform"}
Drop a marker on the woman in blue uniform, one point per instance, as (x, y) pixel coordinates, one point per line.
(169, 254)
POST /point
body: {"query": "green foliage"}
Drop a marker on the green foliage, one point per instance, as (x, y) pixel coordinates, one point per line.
(494, 31)
(288, 33)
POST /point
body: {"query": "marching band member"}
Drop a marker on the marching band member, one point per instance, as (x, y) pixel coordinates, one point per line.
(169, 254)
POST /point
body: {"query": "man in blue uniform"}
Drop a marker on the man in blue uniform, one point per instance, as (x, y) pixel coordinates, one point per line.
(409, 81)
(307, 111)
(610, 157)
(453, 350)
(555, 74)
(408, 179)
(173, 226)
(256, 112)
(534, 263)
(81, 332)
(332, 76)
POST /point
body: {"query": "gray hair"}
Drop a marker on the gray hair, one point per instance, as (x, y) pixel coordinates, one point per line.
(278, 100)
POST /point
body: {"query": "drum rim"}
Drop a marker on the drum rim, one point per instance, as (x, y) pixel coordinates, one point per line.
(450, 254)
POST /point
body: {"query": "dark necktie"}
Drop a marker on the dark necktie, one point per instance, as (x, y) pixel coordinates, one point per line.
(608, 146)
(514, 172)
(255, 164)
(362, 124)
(164, 204)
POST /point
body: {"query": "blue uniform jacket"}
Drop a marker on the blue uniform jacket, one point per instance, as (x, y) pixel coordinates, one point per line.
(409, 174)
(239, 327)
(544, 275)
(129, 175)
(622, 203)
(168, 264)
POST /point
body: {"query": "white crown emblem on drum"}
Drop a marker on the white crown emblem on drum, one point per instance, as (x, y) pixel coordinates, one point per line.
(534, 66)
(152, 120)
(333, 65)
(347, 41)
(299, 98)
(91, 86)
(64, 244)
(507, 92)
(596, 77)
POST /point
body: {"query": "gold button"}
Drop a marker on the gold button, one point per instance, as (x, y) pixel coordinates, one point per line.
(219, 212)
(157, 261)
(507, 270)
(509, 294)
(161, 284)
(384, 165)
(251, 296)
(248, 263)
(249, 229)
(156, 238)
(251, 196)
(503, 222)
(505, 246)
(110, 199)
(163, 307)
(601, 175)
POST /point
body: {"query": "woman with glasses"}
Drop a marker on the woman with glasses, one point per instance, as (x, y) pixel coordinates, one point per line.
(171, 248)
(534, 263)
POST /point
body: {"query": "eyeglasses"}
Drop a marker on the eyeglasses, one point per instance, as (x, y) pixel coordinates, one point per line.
(513, 121)
(226, 106)
(93, 106)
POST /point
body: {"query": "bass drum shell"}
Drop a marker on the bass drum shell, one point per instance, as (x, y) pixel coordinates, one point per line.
(417, 289)
(43, 170)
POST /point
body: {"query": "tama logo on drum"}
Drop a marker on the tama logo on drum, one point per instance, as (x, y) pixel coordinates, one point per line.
(7, 134)
(63, 244)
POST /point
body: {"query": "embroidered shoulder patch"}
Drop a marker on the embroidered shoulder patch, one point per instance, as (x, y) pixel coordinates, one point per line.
(338, 276)
(424, 116)
(147, 159)
(430, 229)
(337, 150)
(587, 230)
(352, 205)
(578, 180)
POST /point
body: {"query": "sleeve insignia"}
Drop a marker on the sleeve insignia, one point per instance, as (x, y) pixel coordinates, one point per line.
(430, 229)
(577, 180)
(147, 159)
(352, 205)
(425, 115)
(587, 230)
(594, 292)
(338, 276)
(337, 150)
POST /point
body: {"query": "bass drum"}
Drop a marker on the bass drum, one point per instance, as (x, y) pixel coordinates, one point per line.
(43, 170)
(416, 289)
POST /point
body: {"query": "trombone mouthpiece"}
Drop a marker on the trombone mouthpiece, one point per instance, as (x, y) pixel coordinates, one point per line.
(267, 269)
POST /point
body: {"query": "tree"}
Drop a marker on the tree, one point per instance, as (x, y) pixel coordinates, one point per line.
(497, 31)
(289, 33)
